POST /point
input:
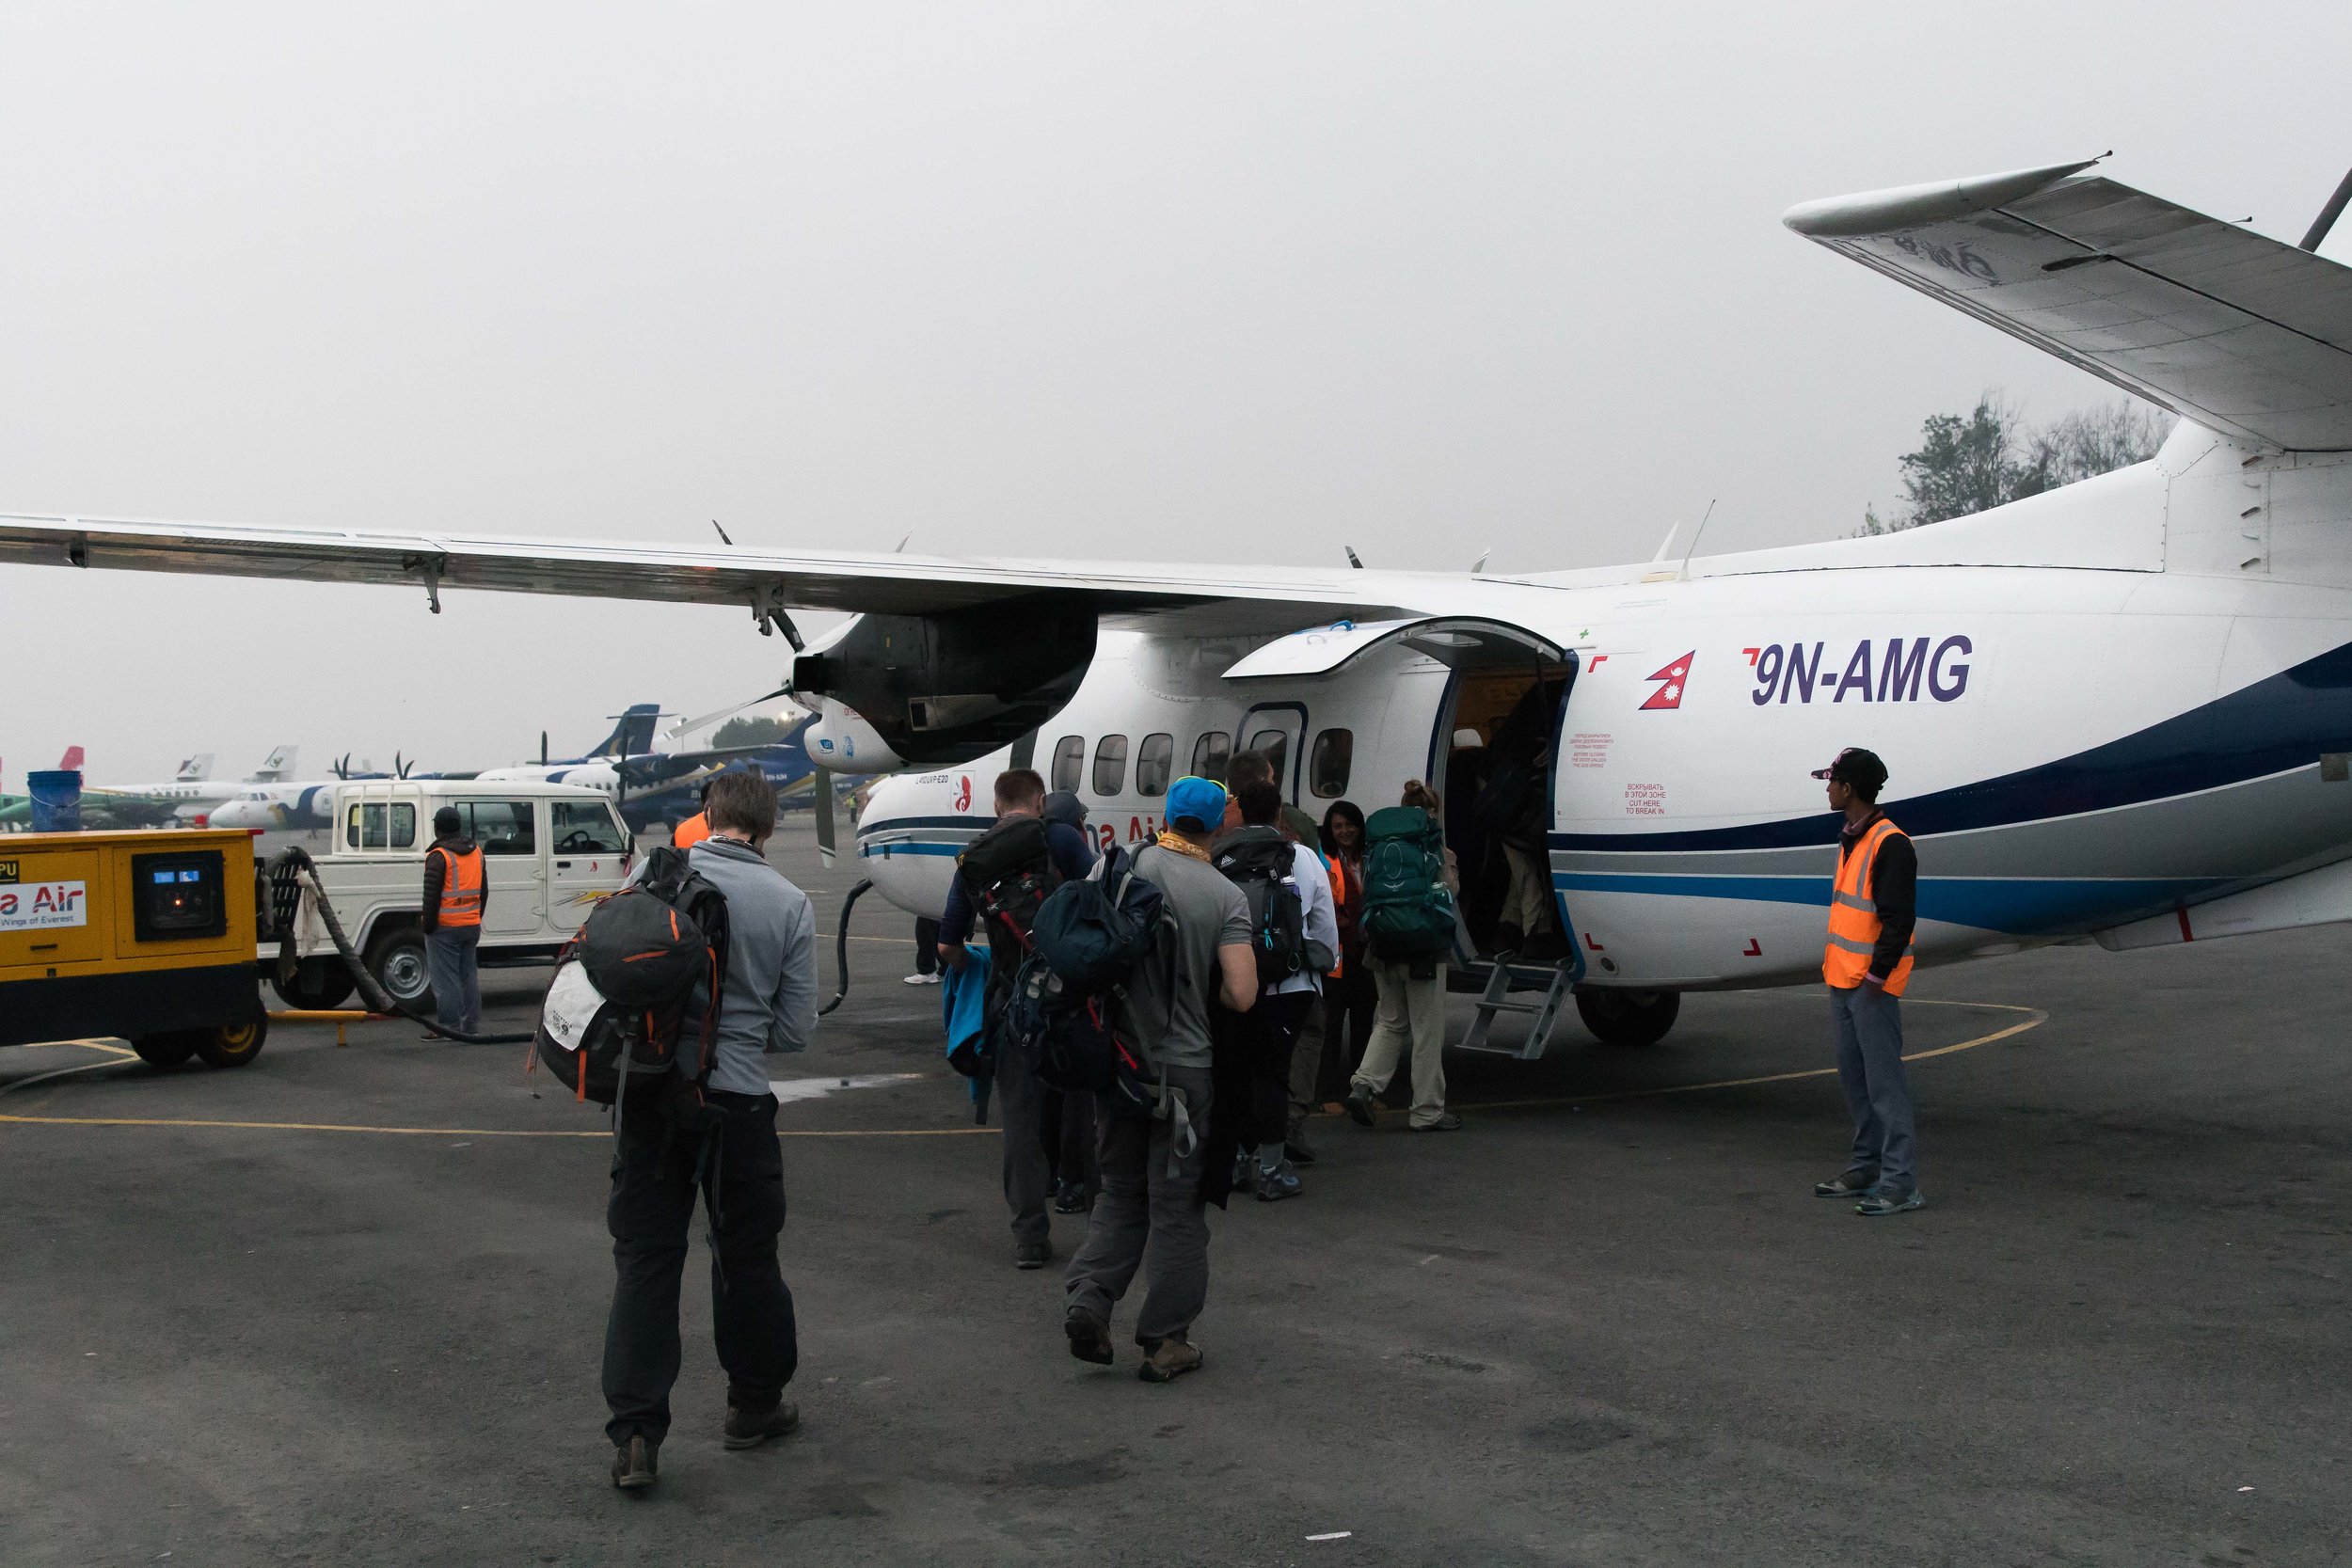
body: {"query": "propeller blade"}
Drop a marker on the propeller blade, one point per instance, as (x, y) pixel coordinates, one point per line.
(826, 833)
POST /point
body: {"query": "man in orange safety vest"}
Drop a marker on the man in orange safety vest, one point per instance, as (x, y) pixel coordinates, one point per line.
(455, 893)
(1867, 962)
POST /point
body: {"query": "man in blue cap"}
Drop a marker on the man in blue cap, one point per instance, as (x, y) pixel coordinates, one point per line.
(1151, 1175)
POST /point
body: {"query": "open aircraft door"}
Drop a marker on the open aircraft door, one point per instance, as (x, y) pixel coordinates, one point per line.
(1503, 683)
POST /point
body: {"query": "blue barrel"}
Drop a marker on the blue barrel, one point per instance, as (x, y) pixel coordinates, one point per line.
(56, 795)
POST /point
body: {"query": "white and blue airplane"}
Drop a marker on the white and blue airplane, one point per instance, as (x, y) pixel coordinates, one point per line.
(2119, 710)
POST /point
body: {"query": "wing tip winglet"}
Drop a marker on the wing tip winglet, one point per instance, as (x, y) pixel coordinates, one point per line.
(1846, 217)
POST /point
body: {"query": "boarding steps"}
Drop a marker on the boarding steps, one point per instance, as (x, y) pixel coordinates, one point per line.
(1505, 983)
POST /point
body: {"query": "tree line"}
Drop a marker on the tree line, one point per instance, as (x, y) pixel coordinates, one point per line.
(1990, 456)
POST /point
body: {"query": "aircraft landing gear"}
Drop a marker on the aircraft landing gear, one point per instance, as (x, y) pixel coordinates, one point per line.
(1629, 1017)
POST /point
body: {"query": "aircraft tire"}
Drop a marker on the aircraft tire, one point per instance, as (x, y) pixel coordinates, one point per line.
(397, 960)
(1631, 1019)
(167, 1050)
(233, 1044)
(334, 987)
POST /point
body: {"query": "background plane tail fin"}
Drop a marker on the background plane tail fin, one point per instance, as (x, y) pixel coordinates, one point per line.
(71, 761)
(633, 735)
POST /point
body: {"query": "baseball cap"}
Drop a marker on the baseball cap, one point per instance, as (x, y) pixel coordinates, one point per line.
(1199, 802)
(1855, 767)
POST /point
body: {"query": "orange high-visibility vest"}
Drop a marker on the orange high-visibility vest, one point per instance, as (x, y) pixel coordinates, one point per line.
(461, 887)
(1854, 919)
(692, 831)
(1339, 897)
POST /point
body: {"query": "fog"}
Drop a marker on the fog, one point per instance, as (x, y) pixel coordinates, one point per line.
(1219, 282)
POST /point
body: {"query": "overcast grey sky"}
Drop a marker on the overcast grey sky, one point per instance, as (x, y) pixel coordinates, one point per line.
(1204, 282)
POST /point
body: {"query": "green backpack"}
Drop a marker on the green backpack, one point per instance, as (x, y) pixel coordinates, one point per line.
(1408, 914)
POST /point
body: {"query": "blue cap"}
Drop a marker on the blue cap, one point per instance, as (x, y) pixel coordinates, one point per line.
(1199, 802)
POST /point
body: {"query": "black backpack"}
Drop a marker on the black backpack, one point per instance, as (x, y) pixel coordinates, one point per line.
(1259, 862)
(614, 1020)
(1008, 872)
(1092, 938)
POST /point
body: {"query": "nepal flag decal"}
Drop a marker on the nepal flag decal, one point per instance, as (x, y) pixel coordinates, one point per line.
(1674, 676)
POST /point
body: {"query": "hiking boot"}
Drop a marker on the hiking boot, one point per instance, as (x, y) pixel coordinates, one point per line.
(1278, 1183)
(636, 1464)
(746, 1431)
(1359, 1106)
(1071, 1198)
(1032, 1254)
(1856, 1183)
(1878, 1205)
(1089, 1335)
(1169, 1360)
(1447, 1122)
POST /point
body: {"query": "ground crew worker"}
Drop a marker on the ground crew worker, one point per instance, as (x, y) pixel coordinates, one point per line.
(697, 827)
(455, 893)
(1867, 962)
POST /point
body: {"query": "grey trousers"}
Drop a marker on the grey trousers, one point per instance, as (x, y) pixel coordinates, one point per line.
(1143, 1206)
(1028, 1175)
(1878, 1092)
(1410, 1011)
(449, 960)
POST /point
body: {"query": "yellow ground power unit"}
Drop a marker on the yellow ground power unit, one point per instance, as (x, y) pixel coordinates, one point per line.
(147, 936)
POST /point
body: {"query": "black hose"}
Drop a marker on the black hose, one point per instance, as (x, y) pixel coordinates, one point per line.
(841, 943)
(296, 863)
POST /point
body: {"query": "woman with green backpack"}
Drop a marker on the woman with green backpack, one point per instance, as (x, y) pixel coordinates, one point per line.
(1410, 886)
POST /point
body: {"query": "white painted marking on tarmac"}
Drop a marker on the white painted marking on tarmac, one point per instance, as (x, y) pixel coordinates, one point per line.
(1332, 1535)
(788, 1090)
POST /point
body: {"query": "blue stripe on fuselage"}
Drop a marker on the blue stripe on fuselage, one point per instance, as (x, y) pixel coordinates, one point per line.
(2017, 904)
(2272, 726)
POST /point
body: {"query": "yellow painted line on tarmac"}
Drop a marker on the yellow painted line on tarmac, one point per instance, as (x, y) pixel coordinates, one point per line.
(461, 1131)
(2036, 1020)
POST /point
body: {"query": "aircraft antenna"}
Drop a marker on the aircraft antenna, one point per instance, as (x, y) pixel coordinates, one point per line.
(723, 533)
(1351, 557)
(2328, 214)
(1684, 571)
(1482, 560)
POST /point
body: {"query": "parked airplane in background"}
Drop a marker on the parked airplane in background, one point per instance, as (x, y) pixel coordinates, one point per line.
(189, 797)
(2122, 709)
(662, 787)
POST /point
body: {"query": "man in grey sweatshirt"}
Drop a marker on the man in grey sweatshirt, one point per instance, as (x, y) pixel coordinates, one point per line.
(766, 1003)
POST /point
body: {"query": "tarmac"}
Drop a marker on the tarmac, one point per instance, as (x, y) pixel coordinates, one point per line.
(345, 1305)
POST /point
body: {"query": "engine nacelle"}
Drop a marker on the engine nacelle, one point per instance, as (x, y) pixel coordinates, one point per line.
(941, 690)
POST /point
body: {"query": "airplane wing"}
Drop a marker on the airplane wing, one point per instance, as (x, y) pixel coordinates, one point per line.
(2240, 333)
(1204, 599)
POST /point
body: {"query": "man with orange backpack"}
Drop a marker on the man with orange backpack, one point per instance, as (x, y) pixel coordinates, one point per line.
(1873, 907)
(455, 893)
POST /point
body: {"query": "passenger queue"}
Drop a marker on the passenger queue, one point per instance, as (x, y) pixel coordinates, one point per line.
(1155, 1026)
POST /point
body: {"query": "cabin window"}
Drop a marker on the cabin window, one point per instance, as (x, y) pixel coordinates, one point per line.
(381, 827)
(1110, 765)
(1327, 763)
(1070, 755)
(584, 828)
(499, 827)
(1276, 744)
(1210, 753)
(1153, 764)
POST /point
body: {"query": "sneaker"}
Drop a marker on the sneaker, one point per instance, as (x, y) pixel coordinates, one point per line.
(1850, 1183)
(1278, 1183)
(636, 1464)
(1089, 1335)
(1359, 1106)
(1032, 1254)
(1244, 1169)
(1169, 1360)
(1447, 1122)
(1880, 1205)
(1301, 1152)
(746, 1431)
(931, 979)
(1071, 1198)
